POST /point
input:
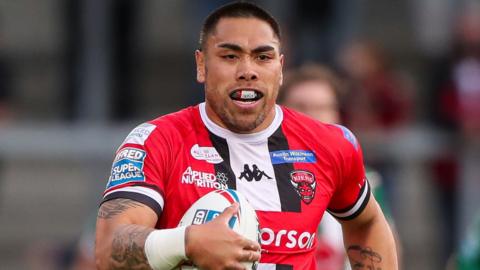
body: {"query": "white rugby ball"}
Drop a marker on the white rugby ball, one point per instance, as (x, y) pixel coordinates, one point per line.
(212, 204)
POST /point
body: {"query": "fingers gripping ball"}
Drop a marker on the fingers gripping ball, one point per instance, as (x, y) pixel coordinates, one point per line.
(213, 204)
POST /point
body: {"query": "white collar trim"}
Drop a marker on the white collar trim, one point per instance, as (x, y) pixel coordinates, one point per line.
(250, 137)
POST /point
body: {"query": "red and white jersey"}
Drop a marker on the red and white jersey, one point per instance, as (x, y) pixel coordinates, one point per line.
(290, 173)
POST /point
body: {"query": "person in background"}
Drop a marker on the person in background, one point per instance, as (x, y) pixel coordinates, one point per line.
(379, 97)
(455, 110)
(317, 91)
(456, 79)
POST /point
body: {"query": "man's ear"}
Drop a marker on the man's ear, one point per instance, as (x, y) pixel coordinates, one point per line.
(282, 60)
(200, 60)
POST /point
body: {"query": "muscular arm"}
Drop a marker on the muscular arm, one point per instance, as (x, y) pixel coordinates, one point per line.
(122, 227)
(369, 241)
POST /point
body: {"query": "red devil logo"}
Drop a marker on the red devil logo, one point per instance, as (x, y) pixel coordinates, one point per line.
(304, 183)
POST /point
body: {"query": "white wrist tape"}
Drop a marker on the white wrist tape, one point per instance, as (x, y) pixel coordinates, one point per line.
(164, 249)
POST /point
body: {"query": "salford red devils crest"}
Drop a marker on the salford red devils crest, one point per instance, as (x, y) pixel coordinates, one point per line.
(304, 183)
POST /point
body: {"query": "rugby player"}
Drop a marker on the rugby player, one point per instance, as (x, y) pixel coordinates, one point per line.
(290, 167)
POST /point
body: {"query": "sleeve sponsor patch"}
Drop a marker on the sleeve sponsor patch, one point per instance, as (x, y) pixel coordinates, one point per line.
(347, 134)
(127, 167)
(140, 134)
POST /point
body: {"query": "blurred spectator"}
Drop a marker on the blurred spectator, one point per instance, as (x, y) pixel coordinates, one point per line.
(456, 81)
(317, 91)
(455, 108)
(314, 90)
(379, 99)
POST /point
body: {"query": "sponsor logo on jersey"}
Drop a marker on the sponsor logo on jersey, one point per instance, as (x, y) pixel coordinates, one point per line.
(205, 215)
(209, 154)
(127, 167)
(222, 178)
(139, 134)
(304, 183)
(202, 179)
(292, 156)
(347, 134)
(287, 238)
(252, 174)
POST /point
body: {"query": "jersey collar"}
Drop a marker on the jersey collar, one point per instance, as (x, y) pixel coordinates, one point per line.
(251, 137)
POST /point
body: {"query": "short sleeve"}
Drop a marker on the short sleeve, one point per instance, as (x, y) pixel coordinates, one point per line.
(353, 191)
(135, 172)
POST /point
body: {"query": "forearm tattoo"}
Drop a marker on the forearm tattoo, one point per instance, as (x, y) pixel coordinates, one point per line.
(114, 207)
(127, 248)
(363, 258)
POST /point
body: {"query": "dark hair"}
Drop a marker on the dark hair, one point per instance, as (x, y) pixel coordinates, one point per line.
(311, 73)
(236, 10)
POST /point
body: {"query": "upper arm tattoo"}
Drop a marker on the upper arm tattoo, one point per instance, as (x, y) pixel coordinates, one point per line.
(363, 258)
(111, 208)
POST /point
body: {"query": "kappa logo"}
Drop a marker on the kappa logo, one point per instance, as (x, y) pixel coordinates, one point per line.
(202, 179)
(209, 154)
(250, 175)
(304, 183)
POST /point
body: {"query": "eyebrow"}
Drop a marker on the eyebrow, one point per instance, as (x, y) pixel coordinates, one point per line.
(237, 48)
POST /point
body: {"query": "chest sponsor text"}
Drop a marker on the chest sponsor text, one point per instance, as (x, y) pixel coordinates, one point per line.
(202, 179)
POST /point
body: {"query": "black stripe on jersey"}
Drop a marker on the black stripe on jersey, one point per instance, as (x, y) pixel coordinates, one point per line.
(136, 197)
(221, 146)
(335, 212)
(283, 267)
(289, 199)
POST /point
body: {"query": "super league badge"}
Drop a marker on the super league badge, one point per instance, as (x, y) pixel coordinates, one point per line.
(304, 183)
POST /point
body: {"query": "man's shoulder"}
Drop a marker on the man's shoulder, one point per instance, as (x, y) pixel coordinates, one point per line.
(324, 133)
(179, 123)
(173, 125)
(303, 122)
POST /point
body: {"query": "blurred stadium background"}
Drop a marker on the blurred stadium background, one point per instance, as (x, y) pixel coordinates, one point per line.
(77, 75)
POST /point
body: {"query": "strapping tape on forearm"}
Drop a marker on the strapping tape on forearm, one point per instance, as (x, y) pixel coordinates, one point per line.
(165, 249)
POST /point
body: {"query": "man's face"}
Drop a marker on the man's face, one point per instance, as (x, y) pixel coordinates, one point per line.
(316, 99)
(241, 67)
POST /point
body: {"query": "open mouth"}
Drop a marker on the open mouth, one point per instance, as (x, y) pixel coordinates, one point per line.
(246, 95)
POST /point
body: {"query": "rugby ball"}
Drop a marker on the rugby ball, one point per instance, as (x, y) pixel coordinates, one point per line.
(212, 204)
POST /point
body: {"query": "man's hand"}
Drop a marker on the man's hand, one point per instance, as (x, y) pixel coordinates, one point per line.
(215, 246)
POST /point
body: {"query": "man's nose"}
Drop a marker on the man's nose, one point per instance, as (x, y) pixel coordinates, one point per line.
(246, 71)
